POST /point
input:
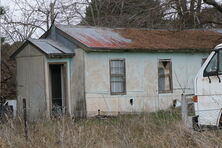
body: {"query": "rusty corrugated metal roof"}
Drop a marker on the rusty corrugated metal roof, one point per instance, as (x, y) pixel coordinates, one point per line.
(95, 37)
(142, 39)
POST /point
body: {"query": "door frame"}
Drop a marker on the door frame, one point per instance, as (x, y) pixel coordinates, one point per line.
(64, 82)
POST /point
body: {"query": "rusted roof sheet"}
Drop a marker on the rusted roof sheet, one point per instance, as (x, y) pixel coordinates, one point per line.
(95, 37)
(50, 47)
(142, 39)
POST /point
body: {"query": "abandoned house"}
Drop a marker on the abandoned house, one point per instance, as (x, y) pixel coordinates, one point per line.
(83, 71)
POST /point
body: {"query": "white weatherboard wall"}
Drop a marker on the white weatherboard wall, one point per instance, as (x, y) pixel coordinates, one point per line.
(141, 81)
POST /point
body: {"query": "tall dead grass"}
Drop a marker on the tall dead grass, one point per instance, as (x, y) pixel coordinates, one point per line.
(162, 130)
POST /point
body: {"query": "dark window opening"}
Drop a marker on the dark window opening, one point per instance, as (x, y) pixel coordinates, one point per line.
(165, 76)
(56, 85)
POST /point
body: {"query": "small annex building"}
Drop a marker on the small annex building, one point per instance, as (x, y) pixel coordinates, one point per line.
(81, 70)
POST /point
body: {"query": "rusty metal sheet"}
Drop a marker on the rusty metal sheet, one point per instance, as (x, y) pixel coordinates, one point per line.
(95, 37)
(143, 39)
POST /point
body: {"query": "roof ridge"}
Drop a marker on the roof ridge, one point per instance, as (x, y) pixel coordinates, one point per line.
(59, 44)
(55, 47)
(134, 28)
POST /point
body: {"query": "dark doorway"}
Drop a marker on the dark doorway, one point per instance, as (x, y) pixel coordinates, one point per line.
(57, 89)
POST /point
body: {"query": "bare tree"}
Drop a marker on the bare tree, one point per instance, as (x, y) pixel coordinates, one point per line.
(180, 14)
(31, 19)
(125, 13)
(215, 4)
(214, 17)
(37, 16)
(186, 12)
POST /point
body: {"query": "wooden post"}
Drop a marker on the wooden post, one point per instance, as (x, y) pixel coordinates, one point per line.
(25, 118)
(184, 110)
(0, 57)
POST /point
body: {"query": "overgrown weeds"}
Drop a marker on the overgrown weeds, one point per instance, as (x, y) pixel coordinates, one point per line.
(160, 129)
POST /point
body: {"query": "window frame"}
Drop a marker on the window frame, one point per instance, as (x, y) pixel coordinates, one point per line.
(213, 73)
(203, 60)
(124, 77)
(170, 77)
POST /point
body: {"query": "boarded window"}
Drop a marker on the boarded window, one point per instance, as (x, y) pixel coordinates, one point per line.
(164, 76)
(117, 77)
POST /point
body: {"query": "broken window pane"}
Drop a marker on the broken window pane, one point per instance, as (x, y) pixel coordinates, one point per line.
(164, 76)
(117, 76)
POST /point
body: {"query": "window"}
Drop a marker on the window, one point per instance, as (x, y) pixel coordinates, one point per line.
(220, 62)
(212, 65)
(164, 76)
(117, 77)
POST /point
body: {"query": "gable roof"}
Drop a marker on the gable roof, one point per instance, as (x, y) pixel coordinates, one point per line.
(48, 47)
(125, 39)
(132, 39)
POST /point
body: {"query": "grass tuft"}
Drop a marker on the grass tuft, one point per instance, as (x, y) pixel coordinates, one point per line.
(161, 129)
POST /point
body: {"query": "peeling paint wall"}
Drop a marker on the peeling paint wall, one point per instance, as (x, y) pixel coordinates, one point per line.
(31, 82)
(77, 87)
(141, 81)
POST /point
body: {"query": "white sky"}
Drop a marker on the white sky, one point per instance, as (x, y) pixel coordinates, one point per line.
(8, 4)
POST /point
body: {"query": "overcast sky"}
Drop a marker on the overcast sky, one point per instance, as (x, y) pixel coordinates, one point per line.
(16, 13)
(10, 5)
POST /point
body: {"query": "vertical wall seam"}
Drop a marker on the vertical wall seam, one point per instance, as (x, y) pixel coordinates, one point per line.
(84, 85)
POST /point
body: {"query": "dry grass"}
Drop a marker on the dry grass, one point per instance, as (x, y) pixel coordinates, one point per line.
(162, 129)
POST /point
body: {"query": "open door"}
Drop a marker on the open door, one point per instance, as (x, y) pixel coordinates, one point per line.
(58, 89)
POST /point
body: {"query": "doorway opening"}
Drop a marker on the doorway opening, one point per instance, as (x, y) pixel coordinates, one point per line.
(58, 89)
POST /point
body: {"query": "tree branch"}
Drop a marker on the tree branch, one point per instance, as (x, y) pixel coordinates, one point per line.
(211, 22)
(214, 3)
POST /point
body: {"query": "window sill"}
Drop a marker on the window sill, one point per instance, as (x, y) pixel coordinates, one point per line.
(116, 94)
(165, 92)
